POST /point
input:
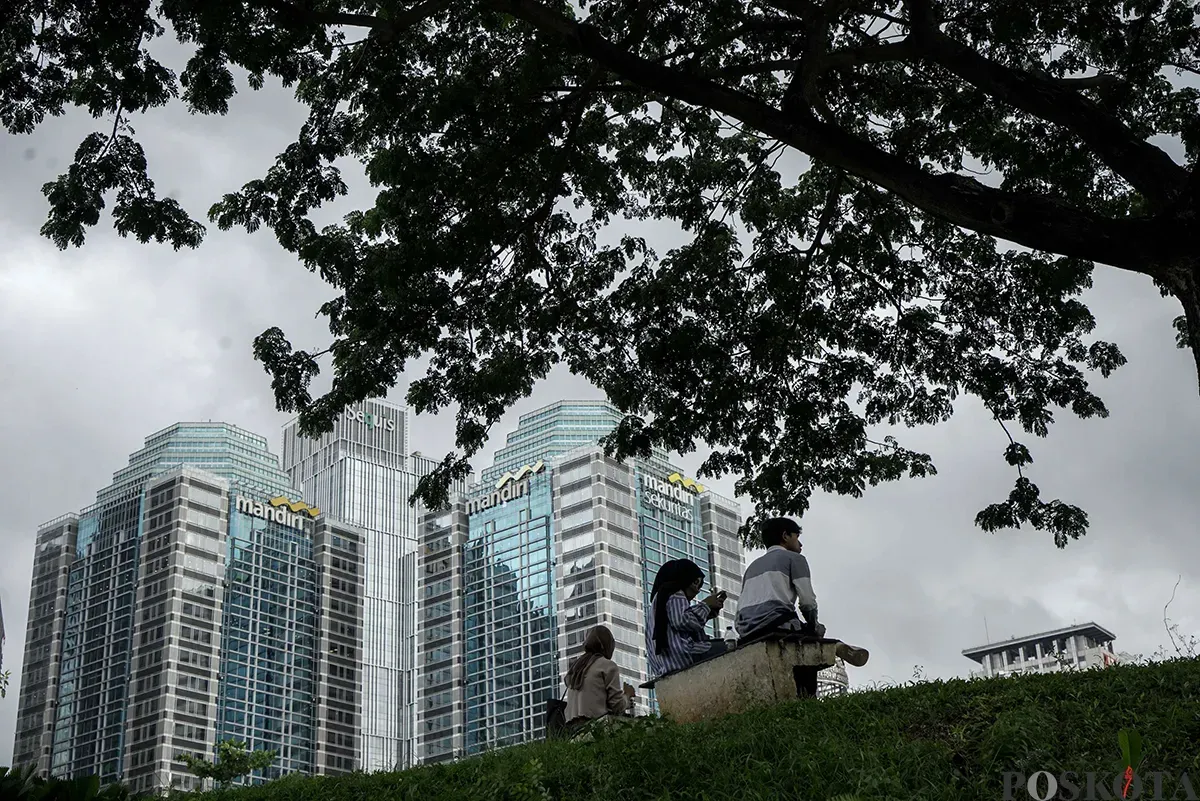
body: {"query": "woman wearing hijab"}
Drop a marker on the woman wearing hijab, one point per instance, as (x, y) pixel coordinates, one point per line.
(676, 629)
(594, 687)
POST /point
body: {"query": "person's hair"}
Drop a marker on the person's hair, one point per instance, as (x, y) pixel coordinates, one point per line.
(599, 642)
(674, 576)
(775, 528)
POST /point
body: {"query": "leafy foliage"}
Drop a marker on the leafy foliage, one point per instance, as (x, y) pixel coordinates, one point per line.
(939, 740)
(233, 762)
(4, 677)
(521, 146)
(21, 784)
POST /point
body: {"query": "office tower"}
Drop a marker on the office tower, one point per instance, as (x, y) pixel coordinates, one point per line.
(551, 431)
(186, 607)
(53, 556)
(442, 648)
(362, 473)
(1073, 647)
(291, 640)
(523, 564)
(720, 519)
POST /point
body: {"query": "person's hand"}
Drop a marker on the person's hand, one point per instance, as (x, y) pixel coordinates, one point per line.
(715, 601)
(629, 691)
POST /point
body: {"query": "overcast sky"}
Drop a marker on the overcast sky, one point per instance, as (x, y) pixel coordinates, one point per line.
(101, 346)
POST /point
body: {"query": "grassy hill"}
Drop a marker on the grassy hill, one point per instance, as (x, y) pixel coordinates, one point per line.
(939, 740)
(950, 740)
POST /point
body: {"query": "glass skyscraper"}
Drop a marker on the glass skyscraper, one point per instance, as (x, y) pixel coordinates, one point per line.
(551, 431)
(509, 618)
(556, 539)
(268, 642)
(185, 607)
(363, 474)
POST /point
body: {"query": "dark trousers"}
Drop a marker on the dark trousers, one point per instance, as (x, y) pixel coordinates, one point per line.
(788, 622)
(715, 648)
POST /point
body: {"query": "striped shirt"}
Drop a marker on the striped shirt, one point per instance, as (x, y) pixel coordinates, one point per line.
(776, 582)
(686, 635)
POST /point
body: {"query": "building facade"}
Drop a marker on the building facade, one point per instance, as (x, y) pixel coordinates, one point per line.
(363, 474)
(833, 681)
(525, 562)
(1072, 648)
(551, 431)
(184, 608)
(441, 690)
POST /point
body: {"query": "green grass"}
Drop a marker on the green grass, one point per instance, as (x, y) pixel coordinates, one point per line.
(936, 740)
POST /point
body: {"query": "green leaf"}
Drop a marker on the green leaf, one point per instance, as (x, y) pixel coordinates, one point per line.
(1131, 748)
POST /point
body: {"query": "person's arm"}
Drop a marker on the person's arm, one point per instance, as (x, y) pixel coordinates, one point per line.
(682, 617)
(806, 598)
(617, 701)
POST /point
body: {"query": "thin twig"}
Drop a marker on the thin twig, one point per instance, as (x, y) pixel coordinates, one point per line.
(1170, 634)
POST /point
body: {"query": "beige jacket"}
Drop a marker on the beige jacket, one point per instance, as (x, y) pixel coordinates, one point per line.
(602, 693)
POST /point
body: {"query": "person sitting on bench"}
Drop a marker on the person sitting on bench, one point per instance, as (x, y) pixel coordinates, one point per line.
(594, 688)
(676, 628)
(775, 585)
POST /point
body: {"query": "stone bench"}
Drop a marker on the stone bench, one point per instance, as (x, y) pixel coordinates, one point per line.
(758, 674)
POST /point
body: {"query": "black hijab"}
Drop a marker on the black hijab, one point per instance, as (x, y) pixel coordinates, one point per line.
(674, 576)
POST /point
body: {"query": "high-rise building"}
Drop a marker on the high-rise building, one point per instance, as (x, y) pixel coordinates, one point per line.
(53, 556)
(524, 563)
(551, 431)
(362, 473)
(198, 600)
(1073, 647)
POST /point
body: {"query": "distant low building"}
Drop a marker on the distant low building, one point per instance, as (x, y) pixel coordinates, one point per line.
(833, 680)
(1074, 647)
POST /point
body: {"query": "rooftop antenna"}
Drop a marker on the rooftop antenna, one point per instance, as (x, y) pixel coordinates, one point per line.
(985, 631)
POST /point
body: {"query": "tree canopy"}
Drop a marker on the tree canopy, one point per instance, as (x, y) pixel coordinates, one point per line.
(955, 170)
(233, 761)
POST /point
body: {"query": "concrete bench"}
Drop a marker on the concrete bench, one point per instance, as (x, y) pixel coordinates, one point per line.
(758, 674)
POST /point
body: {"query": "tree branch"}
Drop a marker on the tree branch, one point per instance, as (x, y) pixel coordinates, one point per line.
(812, 61)
(1037, 221)
(1089, 82)
(871, 54)
(385, 26)
(1149, 170)
(878, 54)
(761, 24)
(823, 223)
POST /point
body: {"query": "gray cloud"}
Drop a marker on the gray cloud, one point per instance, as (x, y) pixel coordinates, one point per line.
(102, 346)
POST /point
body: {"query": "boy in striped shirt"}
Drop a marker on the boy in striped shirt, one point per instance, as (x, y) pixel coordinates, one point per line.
(779, 583)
